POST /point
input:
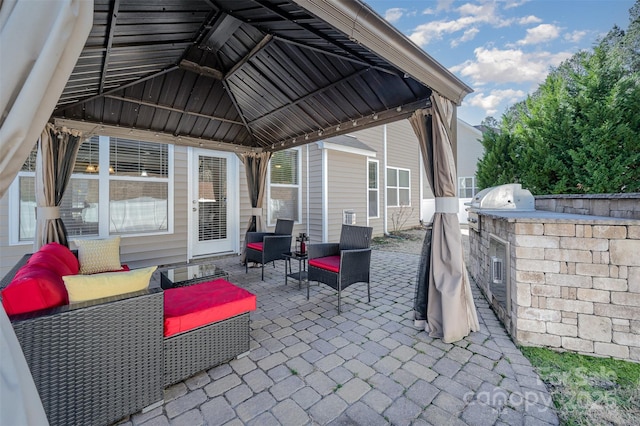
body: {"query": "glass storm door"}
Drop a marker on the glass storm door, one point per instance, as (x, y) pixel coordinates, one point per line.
(212, 203)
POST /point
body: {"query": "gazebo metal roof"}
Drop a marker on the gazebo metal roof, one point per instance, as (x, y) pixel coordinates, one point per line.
(246, 74)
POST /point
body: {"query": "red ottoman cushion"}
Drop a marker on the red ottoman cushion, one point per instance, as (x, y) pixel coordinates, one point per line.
(255, 246)
(330, 263)
(186, 308)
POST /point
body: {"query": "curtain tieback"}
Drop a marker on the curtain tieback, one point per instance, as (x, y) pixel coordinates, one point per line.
(447, 205)
(256, 211)
(48, 213)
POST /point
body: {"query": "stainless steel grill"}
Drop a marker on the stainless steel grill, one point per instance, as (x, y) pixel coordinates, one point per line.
(510, 197)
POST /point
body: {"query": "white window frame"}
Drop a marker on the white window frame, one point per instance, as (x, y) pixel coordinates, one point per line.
(473, 185)
(397, 187)
(377, 189)
(104, 179)
(281, 185)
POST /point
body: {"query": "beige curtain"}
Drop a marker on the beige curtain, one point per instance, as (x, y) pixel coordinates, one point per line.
(255, 166)
(35, 65)
(444, 303)
(57, 151)
(39, 46)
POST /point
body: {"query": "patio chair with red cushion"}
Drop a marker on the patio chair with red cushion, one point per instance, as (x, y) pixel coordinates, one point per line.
(265, 247)
(343, 264)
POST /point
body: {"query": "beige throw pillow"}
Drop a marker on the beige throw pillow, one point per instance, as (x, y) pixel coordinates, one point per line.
(90, 287)
(99, 255)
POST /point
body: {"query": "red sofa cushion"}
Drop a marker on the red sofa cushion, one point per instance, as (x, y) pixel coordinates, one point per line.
(186, 308)
(64, 254)
(52, 262)
(33, 288)
(330, 263)
(255, 246)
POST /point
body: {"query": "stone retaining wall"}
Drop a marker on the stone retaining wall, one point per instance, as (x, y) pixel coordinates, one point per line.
(610, 205)
(574, 284)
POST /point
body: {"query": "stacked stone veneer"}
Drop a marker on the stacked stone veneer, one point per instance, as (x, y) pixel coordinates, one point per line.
(574, 284)
(610, 205)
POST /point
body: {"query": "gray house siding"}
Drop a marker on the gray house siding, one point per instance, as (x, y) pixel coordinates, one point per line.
(404, 154)
(315, 194)
(347, 190)
(374, 138)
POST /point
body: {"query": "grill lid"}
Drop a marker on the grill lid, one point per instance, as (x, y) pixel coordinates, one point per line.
(510, 196)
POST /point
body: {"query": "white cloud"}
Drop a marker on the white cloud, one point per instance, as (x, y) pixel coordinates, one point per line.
(510, 4)
(531, 19)
(575, 36)
(394, 14)
(540, 34)
(490, 103)
(471, 15)
(467, 36)
(509, 66)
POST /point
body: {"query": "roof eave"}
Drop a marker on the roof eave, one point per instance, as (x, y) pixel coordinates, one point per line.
(367, 28)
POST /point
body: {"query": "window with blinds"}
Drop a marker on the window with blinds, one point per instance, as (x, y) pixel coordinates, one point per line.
(136, 178)
(212, 190)
(284, 186)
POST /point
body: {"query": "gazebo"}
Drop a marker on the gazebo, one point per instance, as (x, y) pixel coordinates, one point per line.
(247, 76)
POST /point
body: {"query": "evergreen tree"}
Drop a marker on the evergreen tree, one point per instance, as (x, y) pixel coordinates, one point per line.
(580, 130)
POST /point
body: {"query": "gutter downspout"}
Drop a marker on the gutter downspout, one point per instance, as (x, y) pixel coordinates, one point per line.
(384, 173)
(325, 196)
(308, 215)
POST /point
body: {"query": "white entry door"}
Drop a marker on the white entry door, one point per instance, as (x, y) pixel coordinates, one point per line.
(213, 203)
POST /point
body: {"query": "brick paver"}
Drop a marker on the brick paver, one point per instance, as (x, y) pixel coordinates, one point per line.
(369, 365)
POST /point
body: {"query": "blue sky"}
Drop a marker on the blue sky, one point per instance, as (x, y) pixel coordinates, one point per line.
(502, 49)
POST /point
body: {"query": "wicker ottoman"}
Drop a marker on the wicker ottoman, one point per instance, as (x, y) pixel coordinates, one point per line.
(205, 325)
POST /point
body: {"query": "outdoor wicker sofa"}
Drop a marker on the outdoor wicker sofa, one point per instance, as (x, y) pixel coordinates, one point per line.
(97, 362)
(94, 362)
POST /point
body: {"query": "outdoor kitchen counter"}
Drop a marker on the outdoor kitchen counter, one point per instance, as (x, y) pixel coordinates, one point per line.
(542, 216)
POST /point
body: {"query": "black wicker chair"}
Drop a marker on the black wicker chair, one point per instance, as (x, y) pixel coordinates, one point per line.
(343, 264)
(265, 247)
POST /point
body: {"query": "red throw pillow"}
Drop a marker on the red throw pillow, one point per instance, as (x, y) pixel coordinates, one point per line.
(64, 254)
(34, 288)
(50, 261)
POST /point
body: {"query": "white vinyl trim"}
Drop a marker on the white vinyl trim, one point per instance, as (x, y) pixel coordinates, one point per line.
(349, 149)
(298, 186)
(377, 163)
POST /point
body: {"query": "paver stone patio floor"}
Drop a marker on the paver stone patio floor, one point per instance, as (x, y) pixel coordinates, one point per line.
(367, 366)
